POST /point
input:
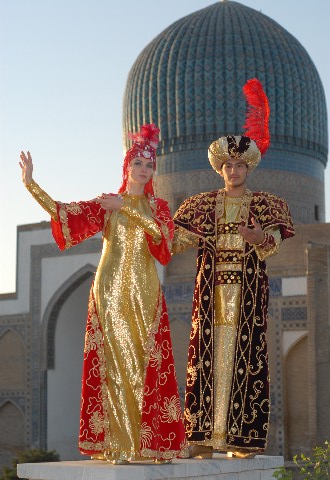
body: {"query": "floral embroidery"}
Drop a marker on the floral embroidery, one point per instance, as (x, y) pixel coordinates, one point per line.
(156, 357)
(171, 410)
(73, 208)
(145, 435)
(191, 420)
(96, 423)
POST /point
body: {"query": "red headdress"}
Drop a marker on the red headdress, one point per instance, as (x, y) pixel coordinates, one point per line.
(145, 144)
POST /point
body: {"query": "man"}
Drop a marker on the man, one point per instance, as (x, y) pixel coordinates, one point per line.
(227, 390)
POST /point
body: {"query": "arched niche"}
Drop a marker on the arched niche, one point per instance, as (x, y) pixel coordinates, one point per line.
(12, 361)
(296, 383)
(12, 430)
(63, 334)
(53, 308)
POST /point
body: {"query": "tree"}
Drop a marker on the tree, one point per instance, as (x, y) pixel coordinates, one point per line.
(28, 456)
(314, 467)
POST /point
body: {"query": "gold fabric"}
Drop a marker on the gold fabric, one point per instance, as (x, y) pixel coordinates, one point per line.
(225, 340)
(43, 199)
(126, 271)
(126, 290)
(225, 259)
(142, 220)
(265, 251)
(183, 239)
(230, 247)
(219, 153)
(226, 314)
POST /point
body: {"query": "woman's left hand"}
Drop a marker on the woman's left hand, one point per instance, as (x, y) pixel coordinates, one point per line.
(110, 202)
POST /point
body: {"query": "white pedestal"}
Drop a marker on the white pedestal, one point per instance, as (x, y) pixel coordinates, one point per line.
(219, 468)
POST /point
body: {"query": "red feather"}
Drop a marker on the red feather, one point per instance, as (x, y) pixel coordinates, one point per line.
(257, 116)
(149, 133)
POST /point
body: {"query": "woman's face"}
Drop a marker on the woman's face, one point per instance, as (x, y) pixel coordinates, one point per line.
(140, 171)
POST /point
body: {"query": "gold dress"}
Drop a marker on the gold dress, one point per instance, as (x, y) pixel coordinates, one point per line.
(125, 310)
(126, 286)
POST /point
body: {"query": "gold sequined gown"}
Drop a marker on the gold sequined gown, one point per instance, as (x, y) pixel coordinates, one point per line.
(125, 302)
(126, 286)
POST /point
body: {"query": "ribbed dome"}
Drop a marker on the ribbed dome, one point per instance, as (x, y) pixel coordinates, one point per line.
(189, 81)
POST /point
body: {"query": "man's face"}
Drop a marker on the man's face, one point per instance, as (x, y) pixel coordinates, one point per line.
(234, 172)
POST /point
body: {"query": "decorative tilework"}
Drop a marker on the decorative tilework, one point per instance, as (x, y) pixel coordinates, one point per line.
(294, 313)
(20, 329)
(189, 79)
(275, 286)
(179, 292)
(282, 158)
(16, 399)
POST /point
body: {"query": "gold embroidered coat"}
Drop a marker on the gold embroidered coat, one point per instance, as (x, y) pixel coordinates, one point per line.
(227, 389)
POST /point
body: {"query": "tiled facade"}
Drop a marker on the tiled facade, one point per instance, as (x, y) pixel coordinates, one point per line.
(189, 81)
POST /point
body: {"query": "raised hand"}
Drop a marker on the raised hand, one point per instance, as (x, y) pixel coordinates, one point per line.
(26, 165)
(253, 235)
(110, 202)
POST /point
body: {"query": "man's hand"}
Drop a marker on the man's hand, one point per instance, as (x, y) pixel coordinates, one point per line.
(253, 235)
(110, 202)
(26, 165)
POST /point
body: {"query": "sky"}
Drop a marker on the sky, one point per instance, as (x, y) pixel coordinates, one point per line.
(63, 71)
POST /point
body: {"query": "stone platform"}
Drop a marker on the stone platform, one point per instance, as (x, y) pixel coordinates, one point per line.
(219, 468)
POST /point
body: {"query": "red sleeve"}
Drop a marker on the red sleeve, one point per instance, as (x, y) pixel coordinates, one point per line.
(77, 222)
(162, 216)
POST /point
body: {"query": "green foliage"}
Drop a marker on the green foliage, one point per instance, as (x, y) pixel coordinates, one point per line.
(314, 467)
(28, 456)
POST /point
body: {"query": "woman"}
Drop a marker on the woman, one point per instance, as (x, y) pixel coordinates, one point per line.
(130, 406)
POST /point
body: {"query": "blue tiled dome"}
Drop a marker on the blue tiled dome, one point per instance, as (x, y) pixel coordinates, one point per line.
(189, 81)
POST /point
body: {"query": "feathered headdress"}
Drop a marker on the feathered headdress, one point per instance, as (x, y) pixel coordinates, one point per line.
(256, 139)
(257, 116)
(149, 134)
(145, 143)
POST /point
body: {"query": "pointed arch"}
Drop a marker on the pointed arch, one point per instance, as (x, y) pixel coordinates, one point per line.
(12, 361)
(63, 331)
(296, 383)
(52, 311)
(12, 428)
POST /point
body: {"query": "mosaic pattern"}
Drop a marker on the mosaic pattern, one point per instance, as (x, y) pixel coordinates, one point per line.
(189, 79)
(276, 159)
(20, 329)
(179, 292)
(275, 287)
(294, 313)
(15, 399)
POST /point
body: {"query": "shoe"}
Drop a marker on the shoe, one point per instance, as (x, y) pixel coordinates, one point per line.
(119, 461)
(243, 454)
(99, 456)
(200, 451)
